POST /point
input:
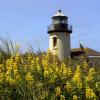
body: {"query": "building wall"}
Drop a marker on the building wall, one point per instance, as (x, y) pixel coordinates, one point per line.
(63, 44)
(52, 49)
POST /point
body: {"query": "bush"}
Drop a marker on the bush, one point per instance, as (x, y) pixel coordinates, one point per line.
(44, 77)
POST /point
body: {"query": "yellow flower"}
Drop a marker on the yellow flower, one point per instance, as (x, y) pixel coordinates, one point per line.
(85, 65)
(32, 62)
(75, 97)
(8, 72)
(46, 73)
(56, 69)
(62, 97)
(68, 87)
(97, 85)
(77, 77)
(29, 77)
(58, 91)
(90, 75)
(92, 71)
(69, 71)
(90, 93)
(15, 72)
(63, 69)
(17, 57)
(10, 80)
(9, 62)
(15, 66)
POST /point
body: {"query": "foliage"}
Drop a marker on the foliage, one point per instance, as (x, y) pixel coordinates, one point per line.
(44, 77)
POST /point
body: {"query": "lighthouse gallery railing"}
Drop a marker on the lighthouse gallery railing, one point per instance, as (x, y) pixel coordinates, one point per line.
(62, 27)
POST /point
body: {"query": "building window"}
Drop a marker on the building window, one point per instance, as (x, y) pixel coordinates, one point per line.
(54, 41)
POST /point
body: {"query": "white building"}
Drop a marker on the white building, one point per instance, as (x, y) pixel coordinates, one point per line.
(59, 36)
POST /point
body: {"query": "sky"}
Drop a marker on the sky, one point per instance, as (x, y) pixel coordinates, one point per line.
(26, 21)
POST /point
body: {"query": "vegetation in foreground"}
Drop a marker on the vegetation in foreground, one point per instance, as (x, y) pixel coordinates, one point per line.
(43, 77)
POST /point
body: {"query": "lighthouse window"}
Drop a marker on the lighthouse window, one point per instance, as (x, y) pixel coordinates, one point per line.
(54, 41)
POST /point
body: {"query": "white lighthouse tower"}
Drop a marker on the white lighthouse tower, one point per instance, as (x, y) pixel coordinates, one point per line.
(59, 36)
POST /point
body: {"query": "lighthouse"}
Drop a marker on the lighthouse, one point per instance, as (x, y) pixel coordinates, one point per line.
(59, 36)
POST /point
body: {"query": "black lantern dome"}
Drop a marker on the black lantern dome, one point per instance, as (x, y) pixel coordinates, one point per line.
(60, 23)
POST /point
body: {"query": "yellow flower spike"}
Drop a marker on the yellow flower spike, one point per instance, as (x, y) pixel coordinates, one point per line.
(90, 75)
(9, 68)
(32, 62)
(57, 69)
(63, 65)
(90, 93)
(68, 87)
(8, 72)
(15, 72)
(16, 59)
(75, 97)
(10, 80)
(69, 71)
(85, 65)
(62, 97)
(58, 91)
(29, 77)
(77, 77)
(92, 71)
(63, 69)
(79, 85)
(50, 70)
(10, 61)
(46, 73)
(14, 66)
